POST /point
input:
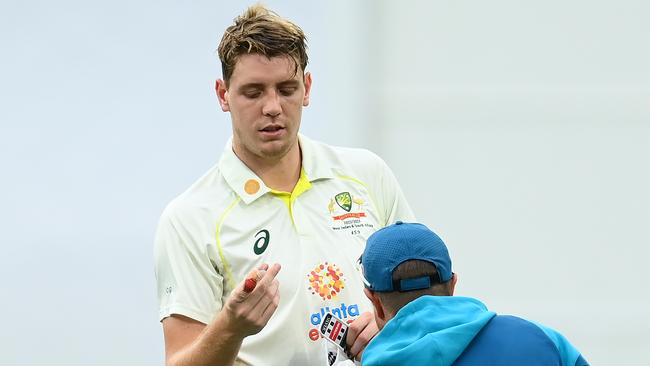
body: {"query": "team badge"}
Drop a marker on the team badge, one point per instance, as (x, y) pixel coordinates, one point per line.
(344, 200)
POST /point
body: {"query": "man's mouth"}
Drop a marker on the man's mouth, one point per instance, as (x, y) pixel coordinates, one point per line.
(272, 128)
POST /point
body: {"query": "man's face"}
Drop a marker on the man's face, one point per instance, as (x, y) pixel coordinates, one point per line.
(265, 99)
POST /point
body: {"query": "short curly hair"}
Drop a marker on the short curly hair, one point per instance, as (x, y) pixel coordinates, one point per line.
(262, 31)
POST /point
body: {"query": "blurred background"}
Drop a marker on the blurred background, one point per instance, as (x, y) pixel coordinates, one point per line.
(519, 131)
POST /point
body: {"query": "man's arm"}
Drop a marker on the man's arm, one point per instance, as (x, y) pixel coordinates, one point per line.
(190, 342)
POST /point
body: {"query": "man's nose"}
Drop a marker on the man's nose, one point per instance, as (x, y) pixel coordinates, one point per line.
(272, 105)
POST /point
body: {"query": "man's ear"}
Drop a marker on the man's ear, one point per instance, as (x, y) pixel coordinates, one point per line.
(376, 303)
(452, 285)
(222, 95)
(305, 99)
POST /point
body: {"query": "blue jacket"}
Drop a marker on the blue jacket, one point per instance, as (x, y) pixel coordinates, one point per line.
(446, 330)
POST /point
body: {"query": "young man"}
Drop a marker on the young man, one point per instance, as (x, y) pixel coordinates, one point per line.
(276, 199)
(408, 277)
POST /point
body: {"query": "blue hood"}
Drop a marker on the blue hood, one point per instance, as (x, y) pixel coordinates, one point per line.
(432, 330)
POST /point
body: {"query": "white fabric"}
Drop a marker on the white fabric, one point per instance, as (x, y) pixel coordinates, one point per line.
(336, 356)
(205, 245)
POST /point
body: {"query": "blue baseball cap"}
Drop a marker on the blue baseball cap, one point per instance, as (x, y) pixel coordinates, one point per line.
(391, 246)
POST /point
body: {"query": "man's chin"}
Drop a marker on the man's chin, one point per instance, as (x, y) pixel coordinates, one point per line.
(274, 149)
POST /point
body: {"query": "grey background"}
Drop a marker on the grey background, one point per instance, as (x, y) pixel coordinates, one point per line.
(519, 132)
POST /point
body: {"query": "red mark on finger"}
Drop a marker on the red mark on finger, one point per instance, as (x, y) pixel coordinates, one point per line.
(249, 285)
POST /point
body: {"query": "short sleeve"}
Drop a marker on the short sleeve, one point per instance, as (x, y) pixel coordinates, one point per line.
(187, 281)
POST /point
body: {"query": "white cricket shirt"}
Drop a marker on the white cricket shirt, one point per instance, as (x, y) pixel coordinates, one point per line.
(228, 223)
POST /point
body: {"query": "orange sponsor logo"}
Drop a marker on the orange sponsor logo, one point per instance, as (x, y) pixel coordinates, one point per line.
(326, 280)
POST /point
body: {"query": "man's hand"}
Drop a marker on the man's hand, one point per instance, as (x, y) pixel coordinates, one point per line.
(189, 342)
(252, 303)
(360, 332)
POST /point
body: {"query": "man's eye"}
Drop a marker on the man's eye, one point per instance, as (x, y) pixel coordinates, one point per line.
(252, 95)
(287, 91)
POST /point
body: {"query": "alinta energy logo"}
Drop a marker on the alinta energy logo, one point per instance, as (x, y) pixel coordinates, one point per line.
(326, 280)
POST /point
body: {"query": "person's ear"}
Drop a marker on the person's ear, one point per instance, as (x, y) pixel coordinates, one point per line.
(452, 285)
(305, 99)
(376, 303)
(222, 95)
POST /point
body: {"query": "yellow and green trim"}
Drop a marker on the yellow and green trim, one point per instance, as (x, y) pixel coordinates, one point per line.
(302, 186)
(226, 266)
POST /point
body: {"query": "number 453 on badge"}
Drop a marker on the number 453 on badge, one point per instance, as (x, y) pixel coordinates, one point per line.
(334, 330)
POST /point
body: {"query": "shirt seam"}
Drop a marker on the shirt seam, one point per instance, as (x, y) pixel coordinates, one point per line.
(226, 266)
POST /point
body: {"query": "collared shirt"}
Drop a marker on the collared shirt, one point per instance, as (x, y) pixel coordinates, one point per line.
(228, 223)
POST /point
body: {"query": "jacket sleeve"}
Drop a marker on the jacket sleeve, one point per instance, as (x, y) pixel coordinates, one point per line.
(569, 355)
(581, 361)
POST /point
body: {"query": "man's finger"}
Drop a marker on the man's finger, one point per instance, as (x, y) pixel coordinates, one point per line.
(249, 284)
(269, 276)
(363, 339)
(253, 277)
(262, 279)
(264, 301)
(356, 327)
(273, 304)
(360, 332)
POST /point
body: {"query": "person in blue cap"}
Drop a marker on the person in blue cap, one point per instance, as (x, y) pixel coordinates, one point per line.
(408, 278)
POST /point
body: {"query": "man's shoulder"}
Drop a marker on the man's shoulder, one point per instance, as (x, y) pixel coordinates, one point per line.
(343, 157)
(341, 151)
(207, 193)
(520, 340)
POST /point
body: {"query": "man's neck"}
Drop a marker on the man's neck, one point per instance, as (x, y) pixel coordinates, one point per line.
(280, 174)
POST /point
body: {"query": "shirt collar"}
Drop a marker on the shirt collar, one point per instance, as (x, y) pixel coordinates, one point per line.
(250, 187)
(317, 166)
